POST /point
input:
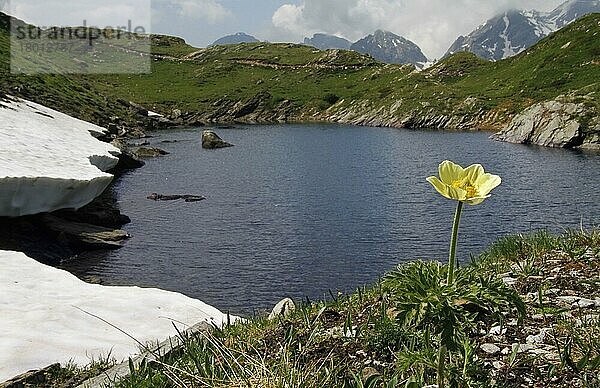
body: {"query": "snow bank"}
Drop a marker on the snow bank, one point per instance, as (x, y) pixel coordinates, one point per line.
(42, 322)
(49, 160)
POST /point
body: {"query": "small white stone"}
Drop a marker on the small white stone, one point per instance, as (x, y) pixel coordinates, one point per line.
(490, 349)
(539, 338)
(282, 309)
(497, 330)
(509, 281)
(585, 303)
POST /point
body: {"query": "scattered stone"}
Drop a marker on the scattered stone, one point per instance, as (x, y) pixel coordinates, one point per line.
(539, 338)
(186, 198)
(585, 303)
(498, 364)
(523, 348)
(490, 349)
(210, 140)
(282, 309)
(32, 378)
(509, 281)
(497, 330)
(576, 301)
(143, 152)
(91, 236)
(538, 317)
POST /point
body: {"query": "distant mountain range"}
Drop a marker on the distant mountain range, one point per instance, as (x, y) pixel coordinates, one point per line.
(240, 37)
(502, 36)
(514, 31)
(326, 42)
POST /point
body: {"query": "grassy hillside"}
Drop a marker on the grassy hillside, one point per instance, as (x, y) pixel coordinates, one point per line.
(286, 82)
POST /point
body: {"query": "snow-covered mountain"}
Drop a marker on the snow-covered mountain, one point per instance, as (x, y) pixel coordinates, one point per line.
(325, 42)
(240, 37)
(514, 31)
(390, 48)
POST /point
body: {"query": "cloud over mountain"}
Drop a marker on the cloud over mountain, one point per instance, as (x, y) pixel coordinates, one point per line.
(433, 26)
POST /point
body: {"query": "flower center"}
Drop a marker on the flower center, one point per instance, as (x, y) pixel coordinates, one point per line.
(466, 186)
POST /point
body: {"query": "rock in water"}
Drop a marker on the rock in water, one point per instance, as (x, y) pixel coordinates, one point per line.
(210, 140)
(282, 309)
(144, 152)
(186, 198)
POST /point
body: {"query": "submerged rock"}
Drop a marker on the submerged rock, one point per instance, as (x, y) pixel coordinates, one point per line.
(175, 197)
(90, 236)
(144, 152)
(210, 140)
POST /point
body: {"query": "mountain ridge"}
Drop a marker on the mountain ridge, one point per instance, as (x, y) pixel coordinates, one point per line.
(387, 47)
(513, 31)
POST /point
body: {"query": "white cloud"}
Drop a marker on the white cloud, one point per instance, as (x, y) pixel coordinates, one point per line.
(433, 25)
(209, 11)
(94, 13)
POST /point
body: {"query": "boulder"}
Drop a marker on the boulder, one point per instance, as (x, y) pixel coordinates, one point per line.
(557, 123)
(282, 309)
(144, 152)
(210, 140)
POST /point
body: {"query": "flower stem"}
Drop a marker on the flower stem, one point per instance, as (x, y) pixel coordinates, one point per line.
(441, 367)
(452, 256)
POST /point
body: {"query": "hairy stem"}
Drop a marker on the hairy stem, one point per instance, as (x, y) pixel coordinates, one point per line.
(452, 256)
(441, 366)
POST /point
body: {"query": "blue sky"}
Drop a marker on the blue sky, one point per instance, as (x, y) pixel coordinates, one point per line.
(432, 24)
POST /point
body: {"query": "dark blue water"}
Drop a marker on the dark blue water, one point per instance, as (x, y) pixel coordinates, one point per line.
(298, 210)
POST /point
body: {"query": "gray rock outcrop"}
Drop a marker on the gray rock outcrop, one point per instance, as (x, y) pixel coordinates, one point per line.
(210, 140)
(556, 123)
(282, 309)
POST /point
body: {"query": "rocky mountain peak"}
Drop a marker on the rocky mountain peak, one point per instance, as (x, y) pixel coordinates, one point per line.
(514, 31)
(388, 47)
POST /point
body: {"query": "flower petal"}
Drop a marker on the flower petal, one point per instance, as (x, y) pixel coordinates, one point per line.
(476, 200)
(486, 183)
(450, 172)
(473, 172)
(457, 193)
(439, 186)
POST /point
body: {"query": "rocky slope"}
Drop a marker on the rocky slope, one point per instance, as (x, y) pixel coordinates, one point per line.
(388, 47)
(514, 31)
(327, 42)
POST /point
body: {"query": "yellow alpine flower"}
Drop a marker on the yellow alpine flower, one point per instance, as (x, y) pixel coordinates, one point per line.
(471, 185)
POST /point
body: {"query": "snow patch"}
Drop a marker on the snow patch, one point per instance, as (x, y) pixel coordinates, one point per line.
(507, 50)
(49, 160)
(43, 317)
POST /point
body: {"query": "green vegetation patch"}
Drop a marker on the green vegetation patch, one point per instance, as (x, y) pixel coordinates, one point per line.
(388, 335)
